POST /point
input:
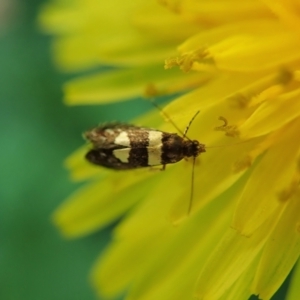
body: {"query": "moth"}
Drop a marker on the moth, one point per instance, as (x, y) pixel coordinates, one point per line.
(122, 146)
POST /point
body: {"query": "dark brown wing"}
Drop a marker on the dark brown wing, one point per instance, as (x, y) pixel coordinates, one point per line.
(105, 158)
(123, 146)
(104, 136)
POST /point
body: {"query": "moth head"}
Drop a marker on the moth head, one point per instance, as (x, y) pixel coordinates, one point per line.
(194, 148)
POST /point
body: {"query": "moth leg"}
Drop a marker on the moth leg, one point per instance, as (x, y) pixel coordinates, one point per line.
(156, 169)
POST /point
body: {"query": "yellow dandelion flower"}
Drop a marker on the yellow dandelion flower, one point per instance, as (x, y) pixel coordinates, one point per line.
(239, 60)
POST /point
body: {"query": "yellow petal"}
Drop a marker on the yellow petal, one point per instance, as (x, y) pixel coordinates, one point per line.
(211, 97)
(117, 85)
(275, 169)
(287, 11)
(129, 37)
(278, 112)
(135, 257)
(231, 258)
(280, 253)
(240, 289)
(246, 47)
(208, 13)
(79, 168)
(205, 189)
(103, 202)
(294, 287)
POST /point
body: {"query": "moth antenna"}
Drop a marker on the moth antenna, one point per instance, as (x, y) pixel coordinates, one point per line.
(184, 134)
(192, 187)
(190, 123)
(166, 116)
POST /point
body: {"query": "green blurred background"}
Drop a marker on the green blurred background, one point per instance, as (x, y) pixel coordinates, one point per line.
(37, 133)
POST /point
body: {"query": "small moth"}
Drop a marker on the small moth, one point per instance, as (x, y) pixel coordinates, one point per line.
(121, 146)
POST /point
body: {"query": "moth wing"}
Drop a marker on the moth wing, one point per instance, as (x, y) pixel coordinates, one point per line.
(106, 136)
(105, 158)
(119, 135)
